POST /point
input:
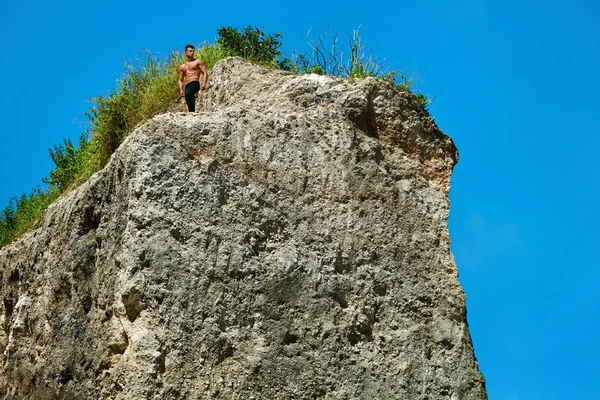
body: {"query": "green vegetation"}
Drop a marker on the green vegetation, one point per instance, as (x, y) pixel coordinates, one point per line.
(253, 45)
(148, 87)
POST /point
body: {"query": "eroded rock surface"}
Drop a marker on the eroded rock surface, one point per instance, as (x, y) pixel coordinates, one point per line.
(289, 241)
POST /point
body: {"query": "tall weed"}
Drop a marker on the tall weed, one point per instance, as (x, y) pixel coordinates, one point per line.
(211, 53)
(329, 57)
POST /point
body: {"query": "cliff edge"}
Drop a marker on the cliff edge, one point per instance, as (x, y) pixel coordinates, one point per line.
(289, 241)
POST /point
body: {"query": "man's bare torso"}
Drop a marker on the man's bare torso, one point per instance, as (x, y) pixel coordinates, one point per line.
(191, 70)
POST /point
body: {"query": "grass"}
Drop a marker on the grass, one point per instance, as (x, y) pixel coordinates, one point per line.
(148, 86)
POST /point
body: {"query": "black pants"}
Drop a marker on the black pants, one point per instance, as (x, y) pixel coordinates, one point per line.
(190, 94)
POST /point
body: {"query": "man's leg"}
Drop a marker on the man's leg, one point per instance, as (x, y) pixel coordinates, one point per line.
(190, 95)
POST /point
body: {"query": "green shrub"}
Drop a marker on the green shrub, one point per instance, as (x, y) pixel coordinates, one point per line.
(7, 225)
(20, 215)
(253, 45)
(424, 102)
(68, 163)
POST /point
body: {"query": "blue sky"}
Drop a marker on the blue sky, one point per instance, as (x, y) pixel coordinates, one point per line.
(516, 85)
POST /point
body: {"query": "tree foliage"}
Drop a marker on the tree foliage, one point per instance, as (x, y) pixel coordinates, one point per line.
(253, 45)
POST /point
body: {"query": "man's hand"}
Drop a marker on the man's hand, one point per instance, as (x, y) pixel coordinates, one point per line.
(181, 92)
(203, 87)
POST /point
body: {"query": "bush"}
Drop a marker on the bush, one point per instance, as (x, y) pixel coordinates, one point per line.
(20, 215)
(68, 161)
(253, 45)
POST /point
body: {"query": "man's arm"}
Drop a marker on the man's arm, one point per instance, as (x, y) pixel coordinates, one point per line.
(181, 80)
(204, 74)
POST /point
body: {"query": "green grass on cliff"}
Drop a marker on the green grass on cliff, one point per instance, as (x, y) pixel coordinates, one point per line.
(148, 86)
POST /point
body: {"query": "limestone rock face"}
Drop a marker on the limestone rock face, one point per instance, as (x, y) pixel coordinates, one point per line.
(289, 241)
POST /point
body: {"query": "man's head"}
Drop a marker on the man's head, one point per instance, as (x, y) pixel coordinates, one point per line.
(189, 50)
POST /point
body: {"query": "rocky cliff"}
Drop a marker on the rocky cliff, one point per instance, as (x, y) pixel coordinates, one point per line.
(289, 241)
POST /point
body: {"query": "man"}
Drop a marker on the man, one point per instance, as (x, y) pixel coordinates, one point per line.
(191, 72)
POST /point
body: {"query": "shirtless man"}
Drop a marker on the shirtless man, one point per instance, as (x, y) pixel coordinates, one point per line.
(191, 71)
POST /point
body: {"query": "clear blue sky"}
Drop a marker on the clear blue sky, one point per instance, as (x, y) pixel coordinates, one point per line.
(516, 85)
